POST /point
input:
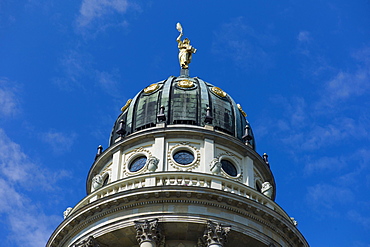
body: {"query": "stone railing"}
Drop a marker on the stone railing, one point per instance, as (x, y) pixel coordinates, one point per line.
(180, 179)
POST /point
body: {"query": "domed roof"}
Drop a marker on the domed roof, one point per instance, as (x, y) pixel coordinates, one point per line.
(183, 100)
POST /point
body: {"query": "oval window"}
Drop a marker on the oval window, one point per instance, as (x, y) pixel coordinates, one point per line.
(137, 164)
(183, 157)
(229, 168)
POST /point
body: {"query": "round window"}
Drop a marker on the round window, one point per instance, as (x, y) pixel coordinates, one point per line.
(183, 157)
(137, 164)
(229, 168)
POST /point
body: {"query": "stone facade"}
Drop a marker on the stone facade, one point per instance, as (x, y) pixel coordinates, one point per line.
(178, 185)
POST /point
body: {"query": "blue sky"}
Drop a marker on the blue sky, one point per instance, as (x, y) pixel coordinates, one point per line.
(300, 69)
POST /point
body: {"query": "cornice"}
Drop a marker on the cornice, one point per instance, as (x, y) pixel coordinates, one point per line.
(106, 206)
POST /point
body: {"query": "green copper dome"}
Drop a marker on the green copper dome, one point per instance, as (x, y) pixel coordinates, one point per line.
(183, 100)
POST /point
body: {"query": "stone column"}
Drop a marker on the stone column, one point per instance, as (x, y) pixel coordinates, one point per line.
(148, 233)
(215, 234)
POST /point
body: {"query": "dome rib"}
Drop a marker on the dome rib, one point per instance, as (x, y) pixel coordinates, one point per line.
(185, 101)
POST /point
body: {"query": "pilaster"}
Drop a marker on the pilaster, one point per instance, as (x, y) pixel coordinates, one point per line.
(249, 172)
(208, 154)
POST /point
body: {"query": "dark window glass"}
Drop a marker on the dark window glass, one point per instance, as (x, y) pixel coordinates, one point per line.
(183, 157)
(258, 187)
(229, 168)
(137, 164)
(106, 181)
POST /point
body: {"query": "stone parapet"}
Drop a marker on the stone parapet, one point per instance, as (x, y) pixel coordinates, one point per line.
(193, 179)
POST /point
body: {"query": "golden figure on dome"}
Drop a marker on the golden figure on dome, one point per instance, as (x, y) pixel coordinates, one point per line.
(185, 49)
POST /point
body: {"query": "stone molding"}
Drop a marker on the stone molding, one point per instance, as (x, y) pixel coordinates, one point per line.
(247, 208)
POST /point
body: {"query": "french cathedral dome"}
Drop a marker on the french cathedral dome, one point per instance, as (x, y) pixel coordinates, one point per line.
(183, 100)
(180, 170)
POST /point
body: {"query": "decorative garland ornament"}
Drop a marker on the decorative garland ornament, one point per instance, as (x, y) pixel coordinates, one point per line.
(126, 105)
(151, 88)
(241, 110)
(185, 83)
(218, 91)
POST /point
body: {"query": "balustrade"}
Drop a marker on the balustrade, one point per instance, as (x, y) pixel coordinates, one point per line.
(180, 179)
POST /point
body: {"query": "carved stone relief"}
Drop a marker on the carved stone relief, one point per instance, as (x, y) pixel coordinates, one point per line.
(67, 212)
(151, 163)
(216, 165)
(267, 189)
(215, 234)
(90, 242)
(148, 231)
(97, 182)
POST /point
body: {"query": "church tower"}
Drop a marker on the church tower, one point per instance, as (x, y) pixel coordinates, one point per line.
(180, 170)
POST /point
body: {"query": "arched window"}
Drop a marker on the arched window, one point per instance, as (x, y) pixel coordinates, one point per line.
(106, 179)
(258, 186)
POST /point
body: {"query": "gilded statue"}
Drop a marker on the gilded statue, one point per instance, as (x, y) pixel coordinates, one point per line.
(185, 49)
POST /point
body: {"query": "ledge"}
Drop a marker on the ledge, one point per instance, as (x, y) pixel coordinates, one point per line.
(245, 202)
(190, 179)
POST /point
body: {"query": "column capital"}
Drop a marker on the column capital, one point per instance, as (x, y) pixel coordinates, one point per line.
(90, 242)
(148, 231)
(215, 234)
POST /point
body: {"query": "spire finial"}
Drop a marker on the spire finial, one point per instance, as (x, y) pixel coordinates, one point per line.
(247, 134)
(185, 49)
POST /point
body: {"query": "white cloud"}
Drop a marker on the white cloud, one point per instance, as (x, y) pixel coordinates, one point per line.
(295, 111)
(324, 164)
(326, 197)
(359, 218)
(14, 199)
(74, 65)
(349, 167)
(346, 85)
(313, 135)
(343, 194)
(304, 36)
(9, 102)
(334, 119)
(108, 81)
(27, 224)
(58, 141)
(362, 55)
(30, 227)
(92, 10)
(243, 45)
(17, 168)
(77, 68)
(14, 164)
(313, 62)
